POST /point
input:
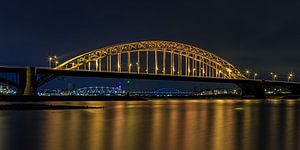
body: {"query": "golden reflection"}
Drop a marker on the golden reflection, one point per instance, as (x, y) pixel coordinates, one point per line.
(228, 121)
(96, 124)
(156, 129)
(273, 127)
(157, 125)
(173, 126)
(248, 139)
(289, 129)
(203, 125)
(218, 128)
(118, 128)
(54, 130)
(190, 126)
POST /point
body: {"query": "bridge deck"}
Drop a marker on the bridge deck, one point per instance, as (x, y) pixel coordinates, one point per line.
(81, 73)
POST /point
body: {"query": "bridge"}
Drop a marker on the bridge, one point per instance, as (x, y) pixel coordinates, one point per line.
(153, 60)
(97, 91)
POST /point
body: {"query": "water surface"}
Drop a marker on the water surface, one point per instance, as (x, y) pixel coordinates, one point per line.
(155, 125)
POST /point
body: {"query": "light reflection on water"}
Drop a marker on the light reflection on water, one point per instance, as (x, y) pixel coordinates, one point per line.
(157, 124)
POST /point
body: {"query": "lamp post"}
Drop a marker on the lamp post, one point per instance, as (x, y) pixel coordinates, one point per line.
(248, 73)
(290, 77)
(56, 63)
(129, 68)
(274, 76)
(53, 60)
(194, 71)
(50, 62)
(255, 75)
(138, 67)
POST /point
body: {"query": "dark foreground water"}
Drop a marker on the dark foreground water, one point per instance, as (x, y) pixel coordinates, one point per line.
(156, 125)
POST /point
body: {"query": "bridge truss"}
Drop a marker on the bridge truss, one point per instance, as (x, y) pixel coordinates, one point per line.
(154, 57)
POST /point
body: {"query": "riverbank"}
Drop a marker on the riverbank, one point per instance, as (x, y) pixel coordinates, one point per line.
(107, 98)
(69, 98)
(43, 107)
(15, 98)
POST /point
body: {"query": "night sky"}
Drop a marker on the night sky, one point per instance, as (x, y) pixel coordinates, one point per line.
(263, 36)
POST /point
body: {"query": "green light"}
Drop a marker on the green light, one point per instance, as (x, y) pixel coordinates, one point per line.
(128, 82)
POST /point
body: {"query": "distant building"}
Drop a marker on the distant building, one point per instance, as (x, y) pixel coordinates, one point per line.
(85, 91)
(208, 92)
(6, 90)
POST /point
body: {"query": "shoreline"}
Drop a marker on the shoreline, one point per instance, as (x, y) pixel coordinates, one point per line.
(14, 98)
(44, 107)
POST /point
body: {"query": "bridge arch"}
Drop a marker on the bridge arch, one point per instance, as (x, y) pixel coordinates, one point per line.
(154, 57)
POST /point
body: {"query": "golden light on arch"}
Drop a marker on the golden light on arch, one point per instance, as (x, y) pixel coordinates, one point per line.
(172, 57)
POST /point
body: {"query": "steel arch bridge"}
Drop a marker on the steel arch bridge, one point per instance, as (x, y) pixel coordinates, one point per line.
(154, 57)
(168, 90)
(95, 91)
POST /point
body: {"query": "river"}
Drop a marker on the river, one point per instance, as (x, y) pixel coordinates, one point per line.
(155, 125)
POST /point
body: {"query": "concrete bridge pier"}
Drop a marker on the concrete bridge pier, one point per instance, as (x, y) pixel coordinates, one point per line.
(253, 89)
(28, 82)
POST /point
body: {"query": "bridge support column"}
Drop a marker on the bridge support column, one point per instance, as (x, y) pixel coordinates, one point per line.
(253, 89)
(28, 82)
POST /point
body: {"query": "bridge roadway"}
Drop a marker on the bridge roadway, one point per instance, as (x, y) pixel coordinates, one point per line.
(32, 78)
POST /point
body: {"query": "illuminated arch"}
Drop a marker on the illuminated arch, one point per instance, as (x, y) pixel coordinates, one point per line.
(165, 57)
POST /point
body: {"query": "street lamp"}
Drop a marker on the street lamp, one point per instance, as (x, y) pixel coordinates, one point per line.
(274, 76)
(53, 60)
(129, 69)
(138, 67)
(219, 73)
(50, 62)
(255, 75)
(248, 73)
(290, 76)
(56, 63)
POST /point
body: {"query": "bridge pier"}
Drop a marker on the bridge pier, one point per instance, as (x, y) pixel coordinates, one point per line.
(28, 82)
(253, 89)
